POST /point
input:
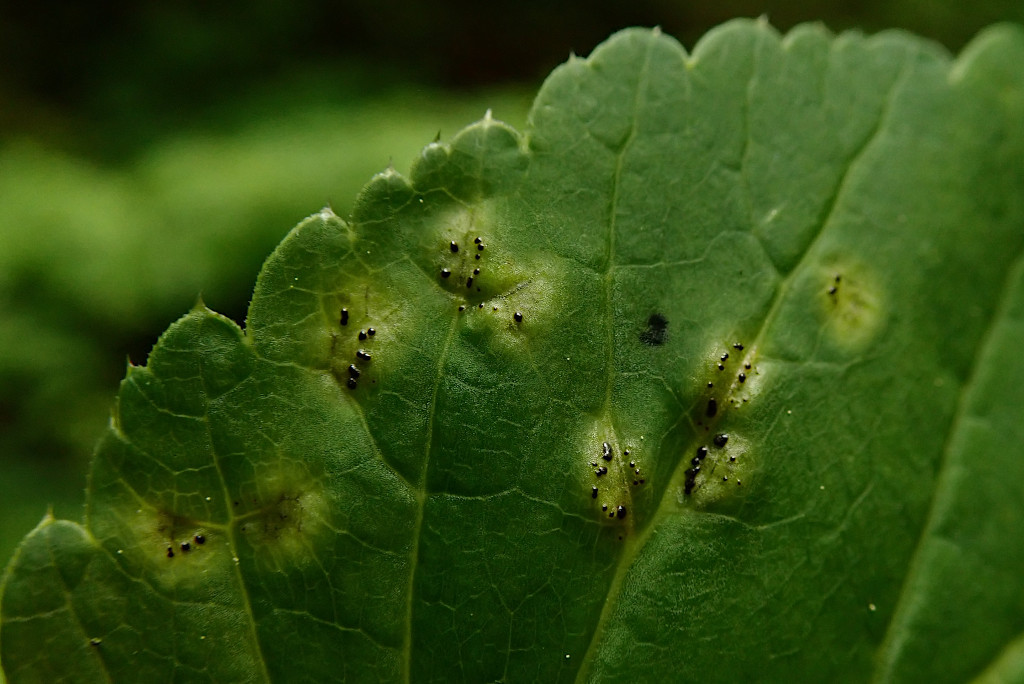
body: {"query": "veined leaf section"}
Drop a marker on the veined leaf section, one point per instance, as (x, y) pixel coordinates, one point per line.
(604, 401)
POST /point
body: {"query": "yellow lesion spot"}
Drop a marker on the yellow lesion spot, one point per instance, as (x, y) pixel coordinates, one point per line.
(280, 516)
(611, 473)
(174, 551)
(850, 302)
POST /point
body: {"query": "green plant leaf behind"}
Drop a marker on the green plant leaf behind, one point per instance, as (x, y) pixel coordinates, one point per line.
(711, 374)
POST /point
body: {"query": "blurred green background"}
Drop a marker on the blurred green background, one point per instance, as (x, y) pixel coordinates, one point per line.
(150, 152)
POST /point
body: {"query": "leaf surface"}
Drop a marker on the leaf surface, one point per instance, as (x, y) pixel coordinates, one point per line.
(733, 395)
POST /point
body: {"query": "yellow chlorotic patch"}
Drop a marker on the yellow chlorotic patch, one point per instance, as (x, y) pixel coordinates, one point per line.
(176, 552)
(719, 464)
(610, 472)
(851, 305)
(284, 512)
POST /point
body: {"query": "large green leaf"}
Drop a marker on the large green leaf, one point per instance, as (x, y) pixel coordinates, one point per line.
(796, 260)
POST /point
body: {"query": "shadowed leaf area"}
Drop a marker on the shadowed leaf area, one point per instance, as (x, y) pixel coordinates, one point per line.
(711, 374)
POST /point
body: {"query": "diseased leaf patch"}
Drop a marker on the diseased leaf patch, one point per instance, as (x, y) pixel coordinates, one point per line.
(659, 342)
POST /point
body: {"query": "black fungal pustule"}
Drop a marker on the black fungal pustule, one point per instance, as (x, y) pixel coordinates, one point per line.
(363, 355)
(353, 372)
(170, 552)
(445, 272)
(725, 356)
(352, 384)
(362, 334)
(601, 470)
(720, 439)
(344, 317)
(656, 332)
(199, 539)
(712, 408)
(742, 377)
(476, 271)
(477, 240)
(469, 282)
(186, 547)
(621, 512)
(737, 346)
(593, 493)
(606, 451)
(517, 317)
(702, 452)
(371, 332)
(454, 246)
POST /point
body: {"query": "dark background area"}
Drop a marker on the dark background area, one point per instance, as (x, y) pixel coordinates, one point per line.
(150, 151)
(107, 76)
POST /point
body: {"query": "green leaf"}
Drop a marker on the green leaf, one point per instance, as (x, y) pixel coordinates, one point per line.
(796, 260)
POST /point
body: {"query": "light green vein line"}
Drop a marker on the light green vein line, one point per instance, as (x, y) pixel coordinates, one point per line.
(232, 542)
(421, 502)
(609, 271)
(892, 645)
(667, 506)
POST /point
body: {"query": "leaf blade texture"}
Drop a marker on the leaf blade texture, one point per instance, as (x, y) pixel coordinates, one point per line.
(709, 374)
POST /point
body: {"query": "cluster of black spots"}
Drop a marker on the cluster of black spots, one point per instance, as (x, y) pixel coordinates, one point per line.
(656, 332)
(471, 280)
(694, 469)
(834, 289)
(186, 546)
(719, 440)
(738, 346)
(607, 455)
